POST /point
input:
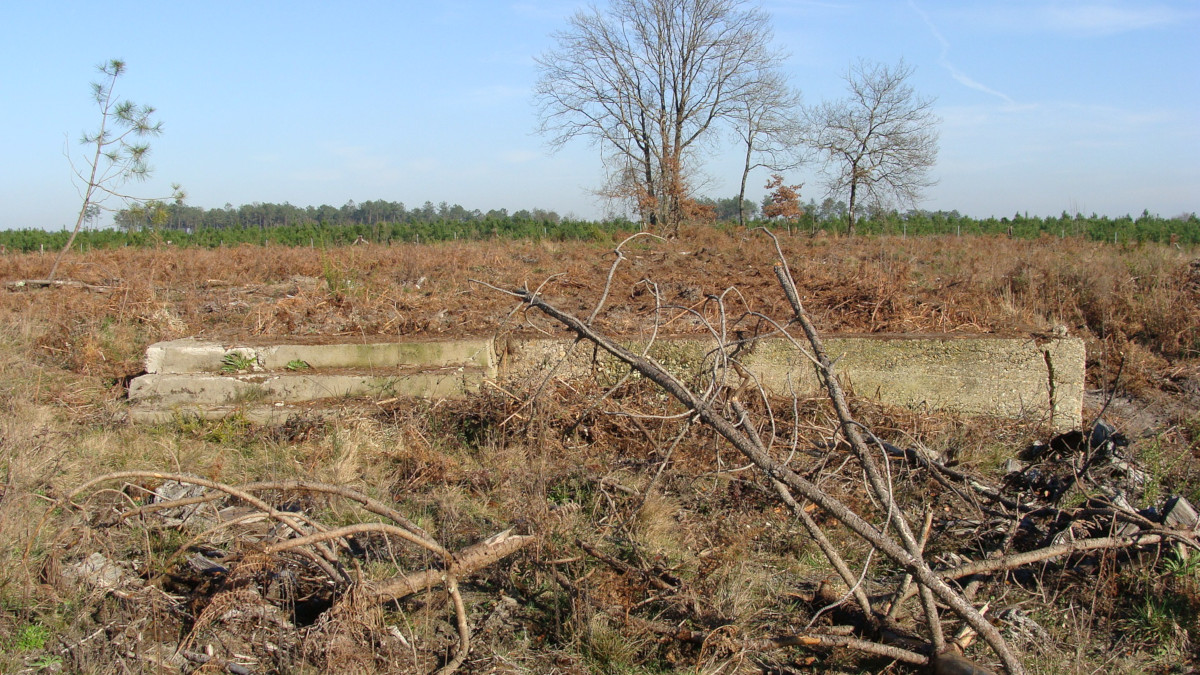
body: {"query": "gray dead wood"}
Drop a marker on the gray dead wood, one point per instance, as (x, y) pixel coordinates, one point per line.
(466, 562)
(923, 574)
(1179, 514)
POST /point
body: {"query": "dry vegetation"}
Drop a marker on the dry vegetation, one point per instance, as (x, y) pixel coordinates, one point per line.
(637, 534)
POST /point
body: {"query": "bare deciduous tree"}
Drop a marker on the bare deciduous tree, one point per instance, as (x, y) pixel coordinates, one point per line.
(766, 122)
(646, 80)
(877, 144)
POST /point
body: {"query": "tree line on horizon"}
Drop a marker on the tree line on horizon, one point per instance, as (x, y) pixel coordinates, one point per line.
(382, 222)
(649, 83)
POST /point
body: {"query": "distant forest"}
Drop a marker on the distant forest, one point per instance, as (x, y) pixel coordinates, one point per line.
(388, 222)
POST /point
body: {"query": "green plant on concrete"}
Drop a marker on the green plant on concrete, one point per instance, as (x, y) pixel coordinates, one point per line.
(232, 430)
(250, 395)
(297, 364)
(387, 388)
(235, 363)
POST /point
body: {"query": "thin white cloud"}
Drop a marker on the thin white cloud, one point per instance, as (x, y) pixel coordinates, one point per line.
(1107, 18)
(959, 76)
(966, 81)
(1079, 18)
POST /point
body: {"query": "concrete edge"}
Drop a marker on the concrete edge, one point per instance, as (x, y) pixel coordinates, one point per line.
(191, 355)
(1004, 377)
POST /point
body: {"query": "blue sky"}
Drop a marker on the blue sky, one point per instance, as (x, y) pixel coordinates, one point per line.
(1047, 106)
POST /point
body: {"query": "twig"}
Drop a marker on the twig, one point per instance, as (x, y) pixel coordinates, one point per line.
(807, 639)
(464, 630)
(827, 548)
(669, 383)
(613, 270)
(907, 582)
(625, 568)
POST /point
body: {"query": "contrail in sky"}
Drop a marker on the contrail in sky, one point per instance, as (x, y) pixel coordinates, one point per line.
(957, 74)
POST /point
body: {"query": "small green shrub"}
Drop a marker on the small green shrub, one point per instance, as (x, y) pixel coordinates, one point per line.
(1183, 563)
(32, 637)
(1160, 621)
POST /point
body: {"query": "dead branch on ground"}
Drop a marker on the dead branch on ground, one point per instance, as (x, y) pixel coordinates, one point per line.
(886, 528)
(297, 541)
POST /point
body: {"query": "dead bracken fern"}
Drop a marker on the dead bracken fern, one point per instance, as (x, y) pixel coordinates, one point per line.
(269, 557)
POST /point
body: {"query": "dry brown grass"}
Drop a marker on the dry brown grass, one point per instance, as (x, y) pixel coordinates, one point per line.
(66, 355)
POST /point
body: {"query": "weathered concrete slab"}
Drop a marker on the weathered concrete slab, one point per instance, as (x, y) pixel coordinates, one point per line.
(1004, 377)
(272, 413)
(204, 389)
(190, 355)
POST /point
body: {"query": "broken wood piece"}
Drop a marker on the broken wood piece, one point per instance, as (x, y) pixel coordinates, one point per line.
(1179, 514)
(465, 562)
(25, 284)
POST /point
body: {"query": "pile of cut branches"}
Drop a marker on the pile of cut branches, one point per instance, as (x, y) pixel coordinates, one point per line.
(240, 577)
(727, 399)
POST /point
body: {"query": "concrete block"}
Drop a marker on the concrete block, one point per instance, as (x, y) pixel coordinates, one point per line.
(1180, 514)
(190, 355)
(1004, 377)
(266, 413)
(477, 353)
(200, 389)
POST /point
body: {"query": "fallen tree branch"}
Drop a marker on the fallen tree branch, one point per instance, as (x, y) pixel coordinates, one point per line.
(811, 640)
(654, 372)
(467, 561)
(874, 477)
(1011, 562)
(310, 538)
